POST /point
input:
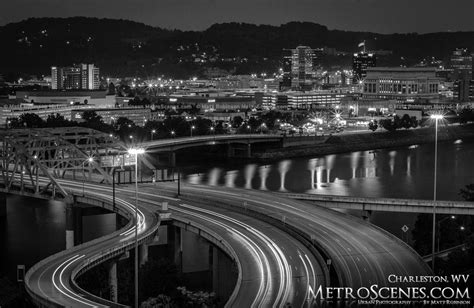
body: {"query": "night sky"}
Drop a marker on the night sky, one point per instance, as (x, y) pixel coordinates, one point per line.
(383, 16)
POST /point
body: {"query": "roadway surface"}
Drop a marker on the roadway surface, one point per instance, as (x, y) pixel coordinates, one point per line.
(361, 253)
(182, 142)
(275, 269)
(50, 279)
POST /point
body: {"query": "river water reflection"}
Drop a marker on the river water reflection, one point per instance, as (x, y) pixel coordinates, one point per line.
(34, 229)
(387, 173)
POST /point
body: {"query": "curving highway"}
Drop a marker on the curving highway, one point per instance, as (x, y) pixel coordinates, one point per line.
(50, 282)
(275, 269)
(361, 253)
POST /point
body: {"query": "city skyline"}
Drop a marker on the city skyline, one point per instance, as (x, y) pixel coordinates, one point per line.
(355, 15)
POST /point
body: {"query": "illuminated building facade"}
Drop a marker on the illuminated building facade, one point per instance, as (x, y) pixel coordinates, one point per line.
(463, 90)
(360, 63)
(138, 115)
(300, 100)
(299, 68)
(403, 84)
(461, 65)
(78, 77)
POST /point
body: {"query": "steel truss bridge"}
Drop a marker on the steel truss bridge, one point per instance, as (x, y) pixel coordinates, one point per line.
(56, 153)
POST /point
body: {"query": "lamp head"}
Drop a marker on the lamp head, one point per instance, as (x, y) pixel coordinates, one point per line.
(437, 116)
(136, 151)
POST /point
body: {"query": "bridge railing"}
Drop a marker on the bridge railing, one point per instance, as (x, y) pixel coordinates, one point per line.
(317, 250)
(386, 204)
(194, 139)
(102, 256)
(220, 242)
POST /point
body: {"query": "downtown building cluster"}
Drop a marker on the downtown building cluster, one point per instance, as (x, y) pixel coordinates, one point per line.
(302, 85)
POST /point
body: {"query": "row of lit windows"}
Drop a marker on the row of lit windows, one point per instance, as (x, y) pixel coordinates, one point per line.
(400, 88)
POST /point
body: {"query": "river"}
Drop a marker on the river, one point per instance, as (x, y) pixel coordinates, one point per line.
(406, 172)
(34, 229)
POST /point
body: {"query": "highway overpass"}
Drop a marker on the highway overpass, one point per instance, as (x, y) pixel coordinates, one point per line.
(284, 248)
(386, 204)
(173, 144)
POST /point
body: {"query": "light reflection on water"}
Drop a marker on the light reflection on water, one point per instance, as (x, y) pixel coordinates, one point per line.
(393, 173)
(386, 173)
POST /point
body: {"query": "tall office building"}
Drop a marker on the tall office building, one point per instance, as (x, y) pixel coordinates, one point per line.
(78, 77)
(360, 62)
(462, 74)
(299, 68)
(461, 64)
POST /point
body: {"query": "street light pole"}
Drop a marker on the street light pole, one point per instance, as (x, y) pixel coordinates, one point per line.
(436, 117)
(83, 177)
(90, 160)
(136, 229)
(136, 152)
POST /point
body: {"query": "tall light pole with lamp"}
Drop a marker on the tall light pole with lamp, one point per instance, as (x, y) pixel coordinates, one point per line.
(153, 131)
(88, 160)
(136, 152)
(435, 117)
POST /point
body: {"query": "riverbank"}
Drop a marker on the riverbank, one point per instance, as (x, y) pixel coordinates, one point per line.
(341, 143)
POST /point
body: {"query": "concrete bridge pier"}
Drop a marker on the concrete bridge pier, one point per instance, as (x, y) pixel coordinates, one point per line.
(3, 205)
(175, 246)
(77, 216)
(366, 215)
(143, 254)
(69, 223)
(113, 282)
(172, 159)
(219, 265)
(244, 151)
(74, 216)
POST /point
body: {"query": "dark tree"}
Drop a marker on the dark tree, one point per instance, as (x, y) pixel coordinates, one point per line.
(111, 89)
(57, 120)
(373, 125)
(406, 121)
(237, 121)
(176, 124)
(30, 120)
(91, 117)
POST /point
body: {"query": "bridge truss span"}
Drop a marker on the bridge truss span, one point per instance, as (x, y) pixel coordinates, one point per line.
(71, 152)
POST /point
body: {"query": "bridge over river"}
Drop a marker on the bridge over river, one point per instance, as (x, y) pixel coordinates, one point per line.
(281, 247)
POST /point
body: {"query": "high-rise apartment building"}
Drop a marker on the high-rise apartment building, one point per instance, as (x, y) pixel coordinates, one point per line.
(78, 77)
(360, 62)
(299, 68)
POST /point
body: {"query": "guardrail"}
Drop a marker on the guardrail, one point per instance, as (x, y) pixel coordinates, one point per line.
(87, 264)
(208, 138)
(386, 204)
(317, 250)
(219, 241)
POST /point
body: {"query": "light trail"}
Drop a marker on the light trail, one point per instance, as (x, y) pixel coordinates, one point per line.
(251, 245)
(284, 269)
(74, 296)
